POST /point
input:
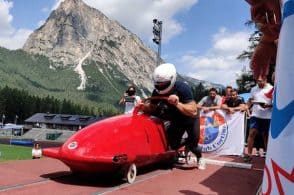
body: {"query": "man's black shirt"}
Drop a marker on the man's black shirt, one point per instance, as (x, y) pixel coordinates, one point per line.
(184, 92)
(234, 102)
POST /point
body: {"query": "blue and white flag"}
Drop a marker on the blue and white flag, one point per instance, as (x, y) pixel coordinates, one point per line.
(279, 169)
(222, 133)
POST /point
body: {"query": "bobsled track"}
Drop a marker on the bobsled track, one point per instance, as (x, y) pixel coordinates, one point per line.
(50, 176)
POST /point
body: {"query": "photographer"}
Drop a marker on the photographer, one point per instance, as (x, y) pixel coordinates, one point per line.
(129, 99)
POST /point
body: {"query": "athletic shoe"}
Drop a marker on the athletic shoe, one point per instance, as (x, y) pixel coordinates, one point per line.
(247, 158)
(201, 164)
(181, 160)
(257, 153)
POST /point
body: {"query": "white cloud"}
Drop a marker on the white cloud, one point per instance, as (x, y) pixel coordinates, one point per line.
(6, 18)
(219, 64)
(9, 37)
(15, 40)
(137, 15)
(230, 42)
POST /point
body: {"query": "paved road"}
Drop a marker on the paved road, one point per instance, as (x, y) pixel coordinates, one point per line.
(49, 176)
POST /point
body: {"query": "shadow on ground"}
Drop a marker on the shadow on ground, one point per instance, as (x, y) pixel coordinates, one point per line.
(97, 180)
(239, 181)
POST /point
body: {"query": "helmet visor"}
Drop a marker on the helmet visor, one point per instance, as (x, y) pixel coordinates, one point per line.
(162, 85)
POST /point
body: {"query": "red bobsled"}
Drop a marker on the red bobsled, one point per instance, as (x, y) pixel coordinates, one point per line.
(117, 144)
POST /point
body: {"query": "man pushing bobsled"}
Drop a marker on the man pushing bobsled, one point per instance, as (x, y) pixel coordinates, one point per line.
(182, 114)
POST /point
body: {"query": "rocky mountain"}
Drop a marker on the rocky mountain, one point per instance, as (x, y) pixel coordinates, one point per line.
(206, 84)
(81, 55)
(76, 34)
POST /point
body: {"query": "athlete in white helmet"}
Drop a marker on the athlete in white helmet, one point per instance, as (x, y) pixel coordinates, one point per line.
(182, 112)
(164, 78)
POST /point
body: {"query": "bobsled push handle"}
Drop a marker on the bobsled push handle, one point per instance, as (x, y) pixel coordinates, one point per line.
(157, 98)
(137, 109)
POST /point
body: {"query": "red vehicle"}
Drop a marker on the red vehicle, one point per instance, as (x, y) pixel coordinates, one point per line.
(114, 145)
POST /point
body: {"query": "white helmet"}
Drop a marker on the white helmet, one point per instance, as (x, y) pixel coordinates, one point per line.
(164, 78)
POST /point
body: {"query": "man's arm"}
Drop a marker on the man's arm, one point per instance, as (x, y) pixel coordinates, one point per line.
(200, 104)
(241, 107)
(188, 109)
(249, 103)
(224, 106)
(212, 107)
(121, 101)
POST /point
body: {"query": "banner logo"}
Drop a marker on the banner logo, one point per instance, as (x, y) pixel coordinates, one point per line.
(213, 132)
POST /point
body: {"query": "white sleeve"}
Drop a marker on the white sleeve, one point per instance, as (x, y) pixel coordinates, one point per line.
(137, 99)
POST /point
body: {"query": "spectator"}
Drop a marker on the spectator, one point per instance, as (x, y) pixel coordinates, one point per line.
(210, 102)
(258, 140)
(183, 115)
(36, 151)
(227, 94)
(261, 114)
(130, 99)
(234, 103)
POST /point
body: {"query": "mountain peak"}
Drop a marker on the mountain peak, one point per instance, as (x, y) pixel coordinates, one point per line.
(76, 34)
(67, 3)
(70, 5)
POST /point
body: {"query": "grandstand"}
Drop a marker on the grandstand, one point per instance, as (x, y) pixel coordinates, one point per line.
(61, 121)
(48, 134)
(47, 127)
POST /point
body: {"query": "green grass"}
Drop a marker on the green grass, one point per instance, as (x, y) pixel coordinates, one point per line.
(105, 83)
(12, 152)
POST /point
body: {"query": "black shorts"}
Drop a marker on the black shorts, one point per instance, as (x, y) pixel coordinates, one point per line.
(262, 125)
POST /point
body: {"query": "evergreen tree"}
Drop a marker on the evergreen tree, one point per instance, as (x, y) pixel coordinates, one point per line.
(245, 81)
(20, 103)
(199, 92)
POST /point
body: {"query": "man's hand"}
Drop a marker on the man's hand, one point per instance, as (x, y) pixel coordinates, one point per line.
(264, 105)
(140, 105)
(173, 100)
(205, 109)
(231, 110)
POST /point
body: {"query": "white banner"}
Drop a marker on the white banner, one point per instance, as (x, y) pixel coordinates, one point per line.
(221, 133)
(279, 169)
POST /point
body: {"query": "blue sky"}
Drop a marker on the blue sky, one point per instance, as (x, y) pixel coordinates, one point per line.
(201, 37)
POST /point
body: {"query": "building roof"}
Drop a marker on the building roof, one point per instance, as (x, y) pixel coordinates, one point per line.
(63, 119)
